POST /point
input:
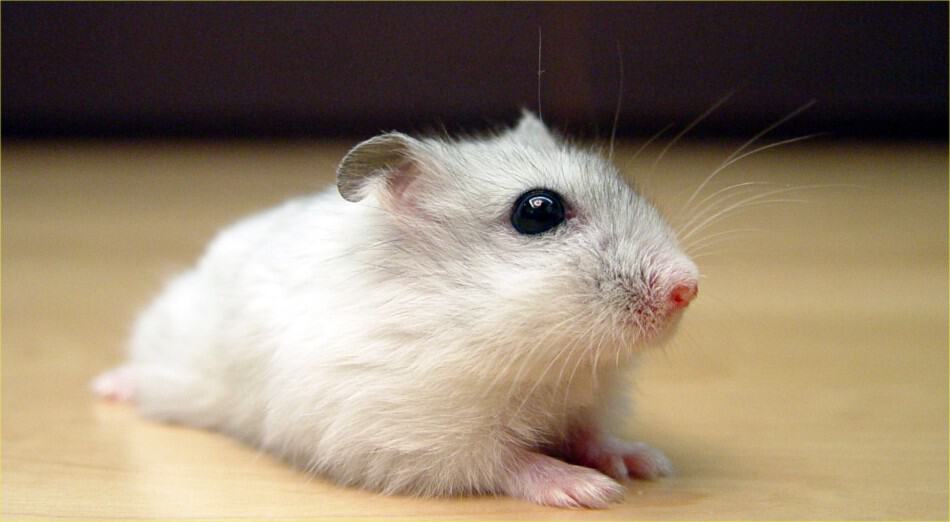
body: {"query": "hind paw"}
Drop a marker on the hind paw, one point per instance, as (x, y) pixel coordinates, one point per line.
(117, 384)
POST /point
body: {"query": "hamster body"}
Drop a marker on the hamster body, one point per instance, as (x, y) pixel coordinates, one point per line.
(461, 321)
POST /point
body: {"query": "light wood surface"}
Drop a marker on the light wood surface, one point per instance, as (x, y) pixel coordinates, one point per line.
(809, 379)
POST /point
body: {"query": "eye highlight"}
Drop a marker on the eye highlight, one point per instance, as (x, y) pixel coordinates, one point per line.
(537, 211)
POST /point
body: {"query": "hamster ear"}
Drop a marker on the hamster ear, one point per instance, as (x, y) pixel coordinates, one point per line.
(388, 155)
(531, 130)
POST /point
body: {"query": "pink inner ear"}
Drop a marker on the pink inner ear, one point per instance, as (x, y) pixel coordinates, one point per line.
(400, 197)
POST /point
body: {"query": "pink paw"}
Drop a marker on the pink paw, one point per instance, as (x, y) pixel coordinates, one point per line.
(117, 384)
(618, 459)
(551, 482)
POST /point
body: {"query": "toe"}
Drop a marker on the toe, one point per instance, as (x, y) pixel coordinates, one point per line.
(647, 463)
(115, 385)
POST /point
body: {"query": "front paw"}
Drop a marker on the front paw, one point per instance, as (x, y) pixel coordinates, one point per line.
(617, 458)
(551, 482)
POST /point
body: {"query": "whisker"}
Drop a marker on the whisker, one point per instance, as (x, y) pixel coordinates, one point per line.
(771, 127)
(597, 351)
(726, 164)
(751, 202)
(648, 142)
(701, 212)
(689, 127)
(726, 234)
(704, 249)
(624, 344)
(565, 348)
(684, 210)
(646, 181)
(525, 359)
(725, 199)
(732, 251)
(540, 71)
(528, 357)
(613, 131)
(579, 348)
(702, 255)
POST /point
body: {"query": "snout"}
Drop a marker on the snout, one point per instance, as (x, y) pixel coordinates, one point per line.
(682, 294)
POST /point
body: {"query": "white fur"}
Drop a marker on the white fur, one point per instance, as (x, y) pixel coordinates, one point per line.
(413, 341)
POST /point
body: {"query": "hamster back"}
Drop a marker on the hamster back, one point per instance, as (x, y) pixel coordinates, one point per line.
(454, 317)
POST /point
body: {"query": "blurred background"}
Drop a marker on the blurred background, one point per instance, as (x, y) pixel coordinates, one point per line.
(335, 70)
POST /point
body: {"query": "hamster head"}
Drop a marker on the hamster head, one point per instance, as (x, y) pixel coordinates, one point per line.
(520, 235)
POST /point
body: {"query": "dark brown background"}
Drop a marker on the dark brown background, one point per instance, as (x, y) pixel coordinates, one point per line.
(325, 69)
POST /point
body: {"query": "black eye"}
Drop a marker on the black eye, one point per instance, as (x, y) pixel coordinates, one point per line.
(537, 211)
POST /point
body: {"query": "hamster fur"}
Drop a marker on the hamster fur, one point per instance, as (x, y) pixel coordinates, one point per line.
(405, 338)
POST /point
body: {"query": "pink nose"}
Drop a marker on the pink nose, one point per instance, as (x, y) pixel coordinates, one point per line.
(682, 294)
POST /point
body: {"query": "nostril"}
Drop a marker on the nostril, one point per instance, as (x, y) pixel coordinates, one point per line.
(682, 294)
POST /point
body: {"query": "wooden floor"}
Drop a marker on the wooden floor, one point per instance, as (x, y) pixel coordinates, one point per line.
(809, 379)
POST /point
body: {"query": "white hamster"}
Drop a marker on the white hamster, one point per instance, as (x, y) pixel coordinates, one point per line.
(461, 321)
